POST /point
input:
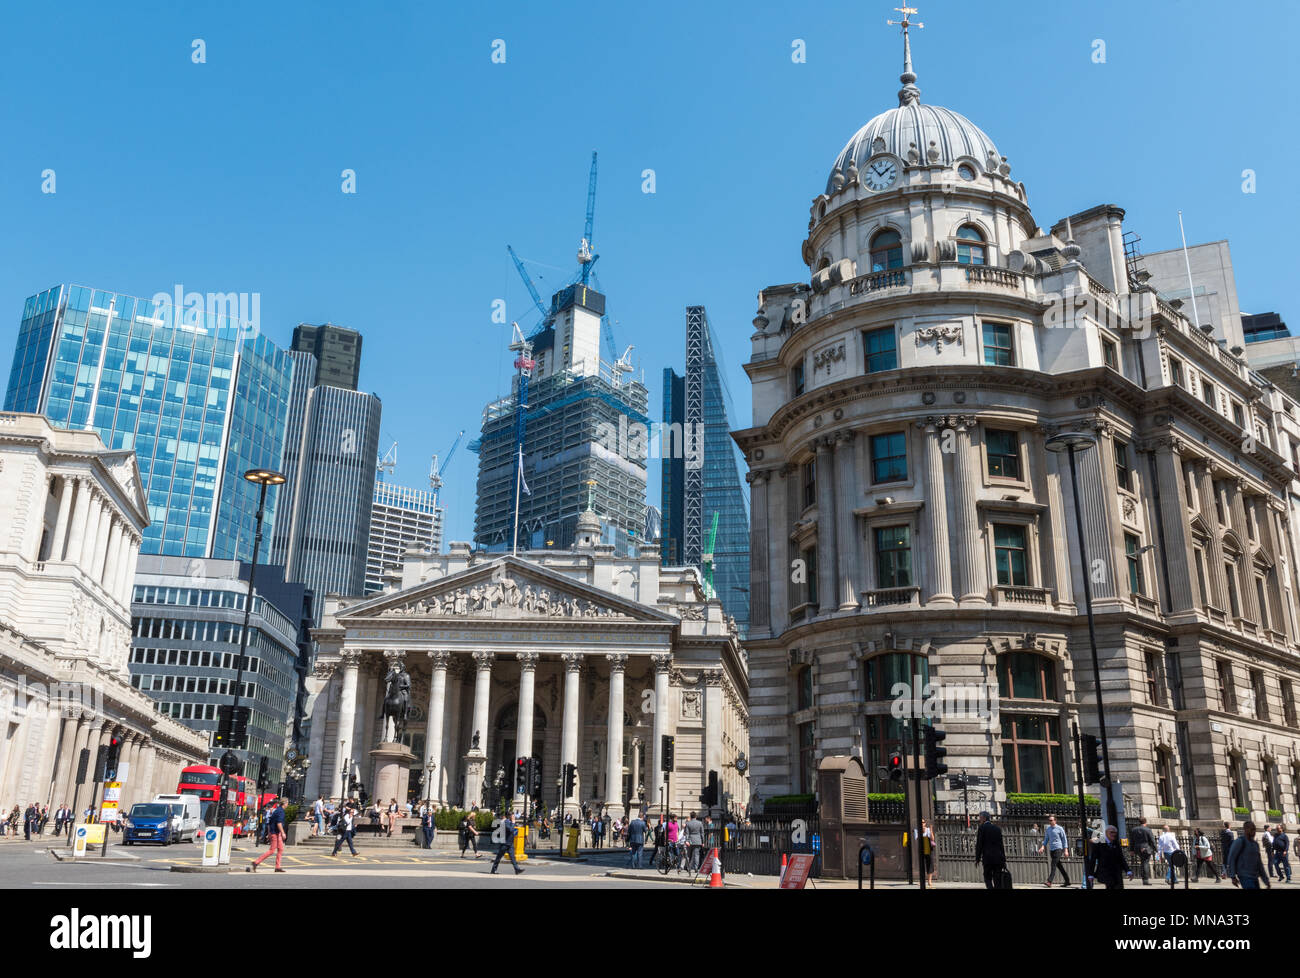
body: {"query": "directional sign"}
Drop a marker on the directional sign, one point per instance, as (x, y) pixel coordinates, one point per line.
(797, 871)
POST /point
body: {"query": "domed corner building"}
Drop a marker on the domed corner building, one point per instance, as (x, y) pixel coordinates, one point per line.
(912, 514)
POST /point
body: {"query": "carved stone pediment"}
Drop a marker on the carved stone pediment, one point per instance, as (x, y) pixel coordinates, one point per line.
(509, 589)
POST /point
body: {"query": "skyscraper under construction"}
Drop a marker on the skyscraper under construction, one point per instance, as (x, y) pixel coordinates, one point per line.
(582, 425)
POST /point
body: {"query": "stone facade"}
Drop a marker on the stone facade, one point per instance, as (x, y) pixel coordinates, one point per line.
(576, 656)
(908, 517)
(72, 514)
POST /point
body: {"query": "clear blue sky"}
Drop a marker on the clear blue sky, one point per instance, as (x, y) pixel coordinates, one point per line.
(225, 176)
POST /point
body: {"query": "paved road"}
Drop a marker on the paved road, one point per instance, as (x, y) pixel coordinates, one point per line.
(31, 865)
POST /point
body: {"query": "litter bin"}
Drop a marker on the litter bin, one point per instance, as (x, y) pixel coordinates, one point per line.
(571, 840)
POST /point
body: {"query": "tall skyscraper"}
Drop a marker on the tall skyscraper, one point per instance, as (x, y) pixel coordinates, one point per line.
(583, 427)
(401, 519)
(337, 350)
(332, 441)
(199, 397)
(701, 473)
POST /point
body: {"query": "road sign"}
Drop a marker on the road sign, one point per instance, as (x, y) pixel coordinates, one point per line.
(955, 782)
(112, 798)
(211, 846)
(87, 834)
(797, 871)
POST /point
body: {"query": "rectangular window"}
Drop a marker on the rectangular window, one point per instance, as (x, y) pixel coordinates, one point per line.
(998, 348)
(893, 556)
(1288, 705)
(1003, 448)
(1155, 679)
(1218, 504)
(810, 569)
(1227, 689)
(889, 457)
(1132, 553)
(1252, 530)
(1010, 555)
(1110, 353)
(796, 380)
(1230, 572)
(1122, 471)
(1208, 394)
(1238, 416)
(1198, 556)
(1176, 371)
(809, 483)
(882, 349)
(1261, 694)
(1165, 778)
(1261, 595)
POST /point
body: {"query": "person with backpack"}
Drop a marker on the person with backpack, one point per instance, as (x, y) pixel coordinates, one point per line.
(1281, 855)
(1143, 841)
(346, 828)
(989, 851)
(1204, 856)
(1244, 863)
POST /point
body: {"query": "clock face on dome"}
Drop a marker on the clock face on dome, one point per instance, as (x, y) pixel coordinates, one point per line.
(880, 173)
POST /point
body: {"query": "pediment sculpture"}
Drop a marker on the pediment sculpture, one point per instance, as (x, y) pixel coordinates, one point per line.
(501, 597)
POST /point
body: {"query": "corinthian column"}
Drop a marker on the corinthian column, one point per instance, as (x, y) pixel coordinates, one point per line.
(938, 584)
(569, 729)
(970, 547)
(80, 514)
(827, 539)
(61, 524)
(476, 757)
(351, 660)
(663, 667)
(433, 728)
(527, 684)
(614, 735)
(845, 521)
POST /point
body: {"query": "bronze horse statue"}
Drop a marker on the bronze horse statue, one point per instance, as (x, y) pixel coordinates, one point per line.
(397, 700)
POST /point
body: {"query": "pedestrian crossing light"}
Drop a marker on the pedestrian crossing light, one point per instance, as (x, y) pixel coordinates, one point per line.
(570, 776)
(521, 775)
(934, 754)
(535, 780)
(669, 747)
(111, 759)
(1092, 763)
(895, 765)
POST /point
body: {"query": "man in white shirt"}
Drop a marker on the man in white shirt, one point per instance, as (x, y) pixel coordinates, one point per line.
(1168, 845)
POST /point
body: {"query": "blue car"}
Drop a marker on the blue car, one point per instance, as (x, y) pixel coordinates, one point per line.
(150, 822)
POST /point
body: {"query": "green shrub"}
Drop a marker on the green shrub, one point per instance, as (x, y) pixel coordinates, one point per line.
(885, 796)
(1241, 811)
(1022, 798)
(1274, 813)
(449, 818)
(291, 813)
(1168, 810)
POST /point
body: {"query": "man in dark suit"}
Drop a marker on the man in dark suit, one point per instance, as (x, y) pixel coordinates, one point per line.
(1142, 841)
(989, 851)
(1226, 839)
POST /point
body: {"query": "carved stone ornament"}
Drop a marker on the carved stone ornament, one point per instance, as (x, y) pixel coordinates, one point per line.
(692, 704)
(501, 597)
(940, 335)
(823, 359)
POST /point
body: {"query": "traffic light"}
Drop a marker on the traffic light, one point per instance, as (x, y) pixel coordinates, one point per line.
(1092, 763)
(570, 775)
(232, 727)
(112, 758)
(535, 763)
(521, 775)
(711, 792)
(934, 754)
(895, 765)
(263, 781)
(669, 748)
(101, 763)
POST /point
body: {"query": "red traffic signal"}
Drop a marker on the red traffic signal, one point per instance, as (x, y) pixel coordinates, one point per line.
(895, 765)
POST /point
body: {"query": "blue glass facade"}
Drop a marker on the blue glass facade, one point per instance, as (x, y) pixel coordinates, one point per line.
(200, 398)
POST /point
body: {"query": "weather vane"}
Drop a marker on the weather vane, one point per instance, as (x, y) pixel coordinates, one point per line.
(910, 92)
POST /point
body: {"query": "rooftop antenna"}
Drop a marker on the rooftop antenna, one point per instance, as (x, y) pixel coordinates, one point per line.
(909, 93)
(1191, 289)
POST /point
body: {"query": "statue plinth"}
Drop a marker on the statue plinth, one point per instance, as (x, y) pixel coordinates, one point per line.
(392, 765)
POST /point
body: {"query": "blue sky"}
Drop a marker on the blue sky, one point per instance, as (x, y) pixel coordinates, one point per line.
(225, 176)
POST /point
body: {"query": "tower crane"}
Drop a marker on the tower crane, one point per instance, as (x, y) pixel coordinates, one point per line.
(436, 470)
(706, 559)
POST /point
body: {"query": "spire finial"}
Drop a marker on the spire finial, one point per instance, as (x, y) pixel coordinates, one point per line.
(909, 93)
(591, 495)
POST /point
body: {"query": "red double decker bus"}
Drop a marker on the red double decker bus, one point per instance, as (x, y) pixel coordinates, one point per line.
(204, 780)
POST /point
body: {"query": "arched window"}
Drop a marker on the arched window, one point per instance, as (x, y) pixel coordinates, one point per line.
(970, 245)
(886, 251)
(1032, 760)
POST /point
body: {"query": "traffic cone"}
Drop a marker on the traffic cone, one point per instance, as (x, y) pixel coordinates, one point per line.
(715, 881)
(781, 878)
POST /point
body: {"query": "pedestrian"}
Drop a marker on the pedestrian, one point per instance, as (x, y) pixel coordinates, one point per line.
(318, 810)
(694, 842)
(1143, 841)
(1107, 863)
(1055, 843)
(1244, 863)
(657, 838)
(1226, 839)
(636, 833)
(506, 845)
(390, 816)
(1168, 845)
(1281, 856)
(1268, 850)
(927, 852)
(1204, 856)
(275, 835)
(597, 832)
(30, 818)
(989, 851)
(468, 836)
(427, 825)
(346, 829)
(673, 834)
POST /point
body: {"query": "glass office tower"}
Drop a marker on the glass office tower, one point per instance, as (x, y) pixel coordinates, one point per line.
(199, 396)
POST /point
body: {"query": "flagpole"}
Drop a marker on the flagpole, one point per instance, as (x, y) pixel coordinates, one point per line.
(519, 475)
(1191, 289)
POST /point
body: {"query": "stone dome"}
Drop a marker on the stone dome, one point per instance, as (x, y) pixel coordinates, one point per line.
(939, 135)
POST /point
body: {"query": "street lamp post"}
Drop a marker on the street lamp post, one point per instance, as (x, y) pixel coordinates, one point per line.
(263, 478)
(1070, 443)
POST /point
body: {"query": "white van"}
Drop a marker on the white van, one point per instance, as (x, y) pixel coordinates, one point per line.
(187, 818)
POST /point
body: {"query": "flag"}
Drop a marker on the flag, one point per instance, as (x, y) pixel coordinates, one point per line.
(522, 484)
